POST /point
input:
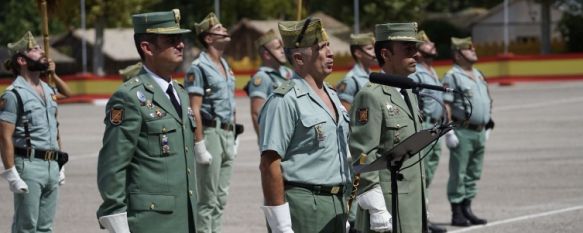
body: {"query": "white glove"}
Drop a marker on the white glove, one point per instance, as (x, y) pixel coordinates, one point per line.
(347, 227)
(236, 146)
(278, 218)
(62, 176)
(451, 140)
(17, 185)
(201, 155)
(116, 223)
(373, 201)
(488, 133)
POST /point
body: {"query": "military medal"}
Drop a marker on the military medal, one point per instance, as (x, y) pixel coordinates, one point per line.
(149, 104)
(141, 97)
(159, 113)
(165, 146)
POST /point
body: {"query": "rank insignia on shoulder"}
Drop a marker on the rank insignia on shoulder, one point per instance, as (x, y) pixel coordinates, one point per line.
(363, 116)
(116, 115)
(257, 81)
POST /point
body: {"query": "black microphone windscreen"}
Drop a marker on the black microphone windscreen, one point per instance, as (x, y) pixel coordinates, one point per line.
(391, 80)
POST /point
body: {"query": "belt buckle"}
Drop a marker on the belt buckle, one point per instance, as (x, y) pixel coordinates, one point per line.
(49, 155)
(335, 190)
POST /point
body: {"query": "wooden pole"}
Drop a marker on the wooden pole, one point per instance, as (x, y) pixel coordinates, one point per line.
(299, 11)
(45, 33)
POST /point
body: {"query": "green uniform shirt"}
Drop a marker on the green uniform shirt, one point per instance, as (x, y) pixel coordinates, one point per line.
(40, 111)
(431, 106)
(297, 125)
(266, 80)
(475, 90)
(146, 164)
(219, 98)
(354, 80)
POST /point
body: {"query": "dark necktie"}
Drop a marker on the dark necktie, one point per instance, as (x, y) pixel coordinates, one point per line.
(173, 99)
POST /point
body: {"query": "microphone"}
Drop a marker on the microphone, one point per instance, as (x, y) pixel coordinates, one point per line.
(403, 82)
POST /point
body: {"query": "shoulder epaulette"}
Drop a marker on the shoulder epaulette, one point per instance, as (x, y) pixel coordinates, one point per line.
(284, 87)
(133, 82)
(9, 88)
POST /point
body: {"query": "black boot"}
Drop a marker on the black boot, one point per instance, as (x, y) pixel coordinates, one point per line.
(469, 214)
(457, 216)
(434, 228)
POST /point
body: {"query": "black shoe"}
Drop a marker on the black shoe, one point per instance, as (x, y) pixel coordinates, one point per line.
(353, 228)
(434, 228)
(457, 216)
(469, 214)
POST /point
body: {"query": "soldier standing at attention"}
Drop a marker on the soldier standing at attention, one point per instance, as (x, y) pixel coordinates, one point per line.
(431, 109)
(145, 170)
(210, 83)
(467, 142)
(362, 51)
(28, 138)
(303, 137)
(270, 75)
(382, 116)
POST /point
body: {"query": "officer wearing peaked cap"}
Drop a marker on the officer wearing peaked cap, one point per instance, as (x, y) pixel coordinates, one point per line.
(383, 116)
(467, 142)
(28, 139)
(145, 170)
(362, 51)
(303, 137)
(270, 75)
(210, 83)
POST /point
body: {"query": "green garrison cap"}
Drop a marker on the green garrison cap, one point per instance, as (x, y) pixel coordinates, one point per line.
(461, 43)
(165, 22)
(397, 32)
(207, 23)
(422, 36)
(361, 39)
(266, 38)
(21, 46)
(296, 34)
(130, 71)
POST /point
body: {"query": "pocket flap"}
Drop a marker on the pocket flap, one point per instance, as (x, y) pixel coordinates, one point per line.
(311, 121)
(153, 202)
(161, 126)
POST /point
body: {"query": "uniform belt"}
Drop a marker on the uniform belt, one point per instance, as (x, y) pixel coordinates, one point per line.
(39, 154)
(222, 125)
(474, 127)
(319, 189)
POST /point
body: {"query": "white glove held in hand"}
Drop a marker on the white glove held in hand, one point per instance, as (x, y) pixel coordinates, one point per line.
(116, 223)
(373, 201)
(201, 155)
(451, 140)
(236, 147)
(17, 185)
(62, 176)
(278, 218)
(488, 133)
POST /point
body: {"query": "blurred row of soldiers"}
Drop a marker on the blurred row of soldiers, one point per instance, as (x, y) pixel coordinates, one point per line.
(168, 148)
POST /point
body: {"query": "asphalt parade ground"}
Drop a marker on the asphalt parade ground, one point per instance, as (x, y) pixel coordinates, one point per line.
(532, 179)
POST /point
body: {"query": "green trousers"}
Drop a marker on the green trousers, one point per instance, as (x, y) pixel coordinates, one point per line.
(431, 160)
(313, 213)
(212, 180)
(34, 211)
(465, 165)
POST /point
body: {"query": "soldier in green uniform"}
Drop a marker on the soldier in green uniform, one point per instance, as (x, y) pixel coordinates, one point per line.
(383, 116)
(145, 170)
(432, 111)
(362, 51)
(270, 75)
(28, 139)
(467, 141)
(210, 83)
(303, 138)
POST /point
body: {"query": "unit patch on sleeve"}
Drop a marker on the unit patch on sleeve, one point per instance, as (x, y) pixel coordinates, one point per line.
(116, 115)
(363, 116)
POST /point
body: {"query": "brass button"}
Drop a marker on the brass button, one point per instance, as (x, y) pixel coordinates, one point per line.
(152, 206)
(186, 148)
(398, 126)
(190, 192)
(188, 170)
(164, 129)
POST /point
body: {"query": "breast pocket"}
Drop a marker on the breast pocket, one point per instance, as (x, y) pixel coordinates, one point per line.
(162, 137)
(396, 125)
(315, 132)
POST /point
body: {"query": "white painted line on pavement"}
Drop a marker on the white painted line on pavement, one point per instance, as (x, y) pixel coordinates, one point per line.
(537, 105)
(526, 217)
